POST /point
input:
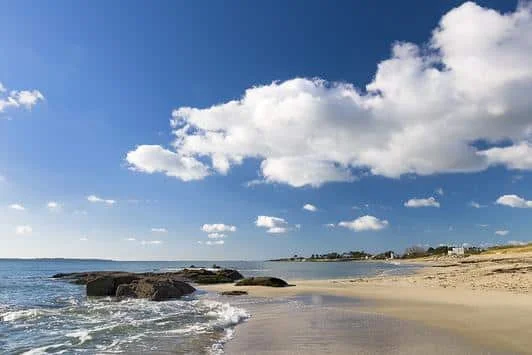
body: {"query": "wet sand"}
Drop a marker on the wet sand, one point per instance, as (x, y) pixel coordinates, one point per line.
(333, 325)
(482, 303)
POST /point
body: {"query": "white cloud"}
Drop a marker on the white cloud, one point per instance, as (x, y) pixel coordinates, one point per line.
(52, 205)
(482, 225)
(309, 207)
(502, 232)
(214, 242)
(419, 115)
(130, 239)
(23, 230)
(422, 202)
(330, 225)
(514, 201)
(365, 223)
(439, 191)
(218, 228)
(151, 242)
(156, 159)
(83, 239)
(517, 242)
(159, 230)
(17, 207)
(476, 205)
(518, 156)
(216, 235)
(96, 199)
(274, 225)
(16, 99)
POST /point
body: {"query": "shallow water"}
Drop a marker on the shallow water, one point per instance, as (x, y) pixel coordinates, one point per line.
(42, 315)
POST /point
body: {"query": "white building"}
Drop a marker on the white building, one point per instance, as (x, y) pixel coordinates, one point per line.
(456, 251)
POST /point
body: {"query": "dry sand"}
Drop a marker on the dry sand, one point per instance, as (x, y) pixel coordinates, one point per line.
(486, 299)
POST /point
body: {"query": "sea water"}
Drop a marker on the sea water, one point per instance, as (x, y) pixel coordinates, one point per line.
(39, 314)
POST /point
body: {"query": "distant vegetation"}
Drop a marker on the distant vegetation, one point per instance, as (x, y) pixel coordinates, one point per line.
(409, 253)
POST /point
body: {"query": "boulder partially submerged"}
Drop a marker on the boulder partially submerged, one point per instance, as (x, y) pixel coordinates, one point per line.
(154, 289)
(234, 293)
(262, 281)
(153, 286)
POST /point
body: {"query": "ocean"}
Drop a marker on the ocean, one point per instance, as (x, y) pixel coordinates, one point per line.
(41, 315)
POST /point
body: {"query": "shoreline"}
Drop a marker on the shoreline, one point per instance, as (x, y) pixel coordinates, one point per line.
(487, 299)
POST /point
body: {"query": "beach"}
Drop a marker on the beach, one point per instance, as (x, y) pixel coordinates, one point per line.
(483, 303)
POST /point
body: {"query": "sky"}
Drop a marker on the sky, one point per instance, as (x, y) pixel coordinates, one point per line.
(243, 130)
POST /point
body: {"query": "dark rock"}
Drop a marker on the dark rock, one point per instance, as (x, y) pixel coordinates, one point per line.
(106, 285)
(202, 276)
(262, 281)
(154, 286)
(155, 289)
(231, 274)
(233, 293)
(126, 291)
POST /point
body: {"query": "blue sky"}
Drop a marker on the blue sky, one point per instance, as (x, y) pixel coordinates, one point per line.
(143, 122)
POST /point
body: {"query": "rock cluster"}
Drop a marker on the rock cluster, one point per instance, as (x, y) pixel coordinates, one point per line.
(262, 281)
(153, 286)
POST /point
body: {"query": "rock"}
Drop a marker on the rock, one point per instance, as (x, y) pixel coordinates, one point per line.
(106, 285)
(212, 279)
(231, 274)
(202, 276)
(150, 285)
(262, 281)
(155, 289)
(234, 293)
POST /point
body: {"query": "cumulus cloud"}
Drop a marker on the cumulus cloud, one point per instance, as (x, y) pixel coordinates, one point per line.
(159, 230)
(18, 99)
(218, 228)
(330, 225)
(274, 225)
(52, 205)
(514, 201)
(309, 207)
(365, 223)
(17, 207)
(23, 230)
(214, 242)
(422, 113)
(96, 199)
(476, 205)
(518, 156)
(216, 235)
(156, 159)
(422, 202)
(502, 232)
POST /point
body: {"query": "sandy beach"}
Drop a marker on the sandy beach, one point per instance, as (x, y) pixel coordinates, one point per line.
(484, 300)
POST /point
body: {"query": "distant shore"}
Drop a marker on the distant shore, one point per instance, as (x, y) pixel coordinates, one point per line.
(486, 299)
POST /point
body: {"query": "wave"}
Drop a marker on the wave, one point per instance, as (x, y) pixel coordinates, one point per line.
(128, 326)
